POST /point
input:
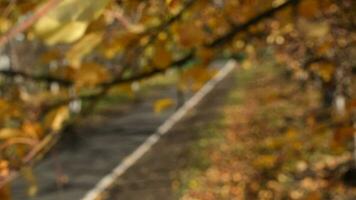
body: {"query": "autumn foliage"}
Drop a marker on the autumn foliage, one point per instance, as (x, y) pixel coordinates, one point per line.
(60, 57)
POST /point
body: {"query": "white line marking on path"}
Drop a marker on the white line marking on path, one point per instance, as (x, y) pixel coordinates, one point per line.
(131, 159)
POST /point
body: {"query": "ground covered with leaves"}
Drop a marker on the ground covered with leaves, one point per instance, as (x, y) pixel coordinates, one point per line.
(272, 142)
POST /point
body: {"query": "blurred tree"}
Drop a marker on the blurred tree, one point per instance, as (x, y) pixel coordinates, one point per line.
(57, 55)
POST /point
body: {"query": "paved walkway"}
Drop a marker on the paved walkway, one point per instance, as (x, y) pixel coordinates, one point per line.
(152, 177)
(106, 138)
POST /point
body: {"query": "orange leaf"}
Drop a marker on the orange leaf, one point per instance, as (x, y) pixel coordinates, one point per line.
(162, 56)
(308, 8)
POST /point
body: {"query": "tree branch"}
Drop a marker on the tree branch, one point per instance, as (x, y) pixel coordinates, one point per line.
(243, 27)
(216, 43)
(39, 78)
(182, 61)
(65, 82)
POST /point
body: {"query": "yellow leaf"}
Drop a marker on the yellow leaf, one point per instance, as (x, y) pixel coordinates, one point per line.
(274, 143)
(32, 129)
(114, 46)
(50, 55)
(324, 70)
(83, 47)
(195, 77)
(163, 104)
(5, 191)
(90, 74)
(4, 169)
(173, 5)
(67, 33)
(68, 21)
(285, 16)
(123, 89)
(7, 133)
(54, 120)
(8, 109)
(5, 25)
(314, 30)
(324, 48)
(291, 135)
(247, 64)
(265, 161)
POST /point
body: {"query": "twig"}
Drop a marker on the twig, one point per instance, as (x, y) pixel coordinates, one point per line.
(40, 149)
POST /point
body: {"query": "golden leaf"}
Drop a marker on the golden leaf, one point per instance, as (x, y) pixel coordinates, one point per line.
(32, 129)
(7, 133)
(8, 109)
(4, 169)
(83, 47)
(68, 21)
(195, 77)
(161, 56)
(90, 74)
(324, 48)
(285, 17)
(173, 5)
(189, 34)
(50, 55)
(117, 44)
(5, 25)
(54, 120)
(265, 161)
(122, 89)
(5, 190)
(247, 64)
(163, 104)
(67, 33)
(314, 30)
(324, 69)
(308, 8)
